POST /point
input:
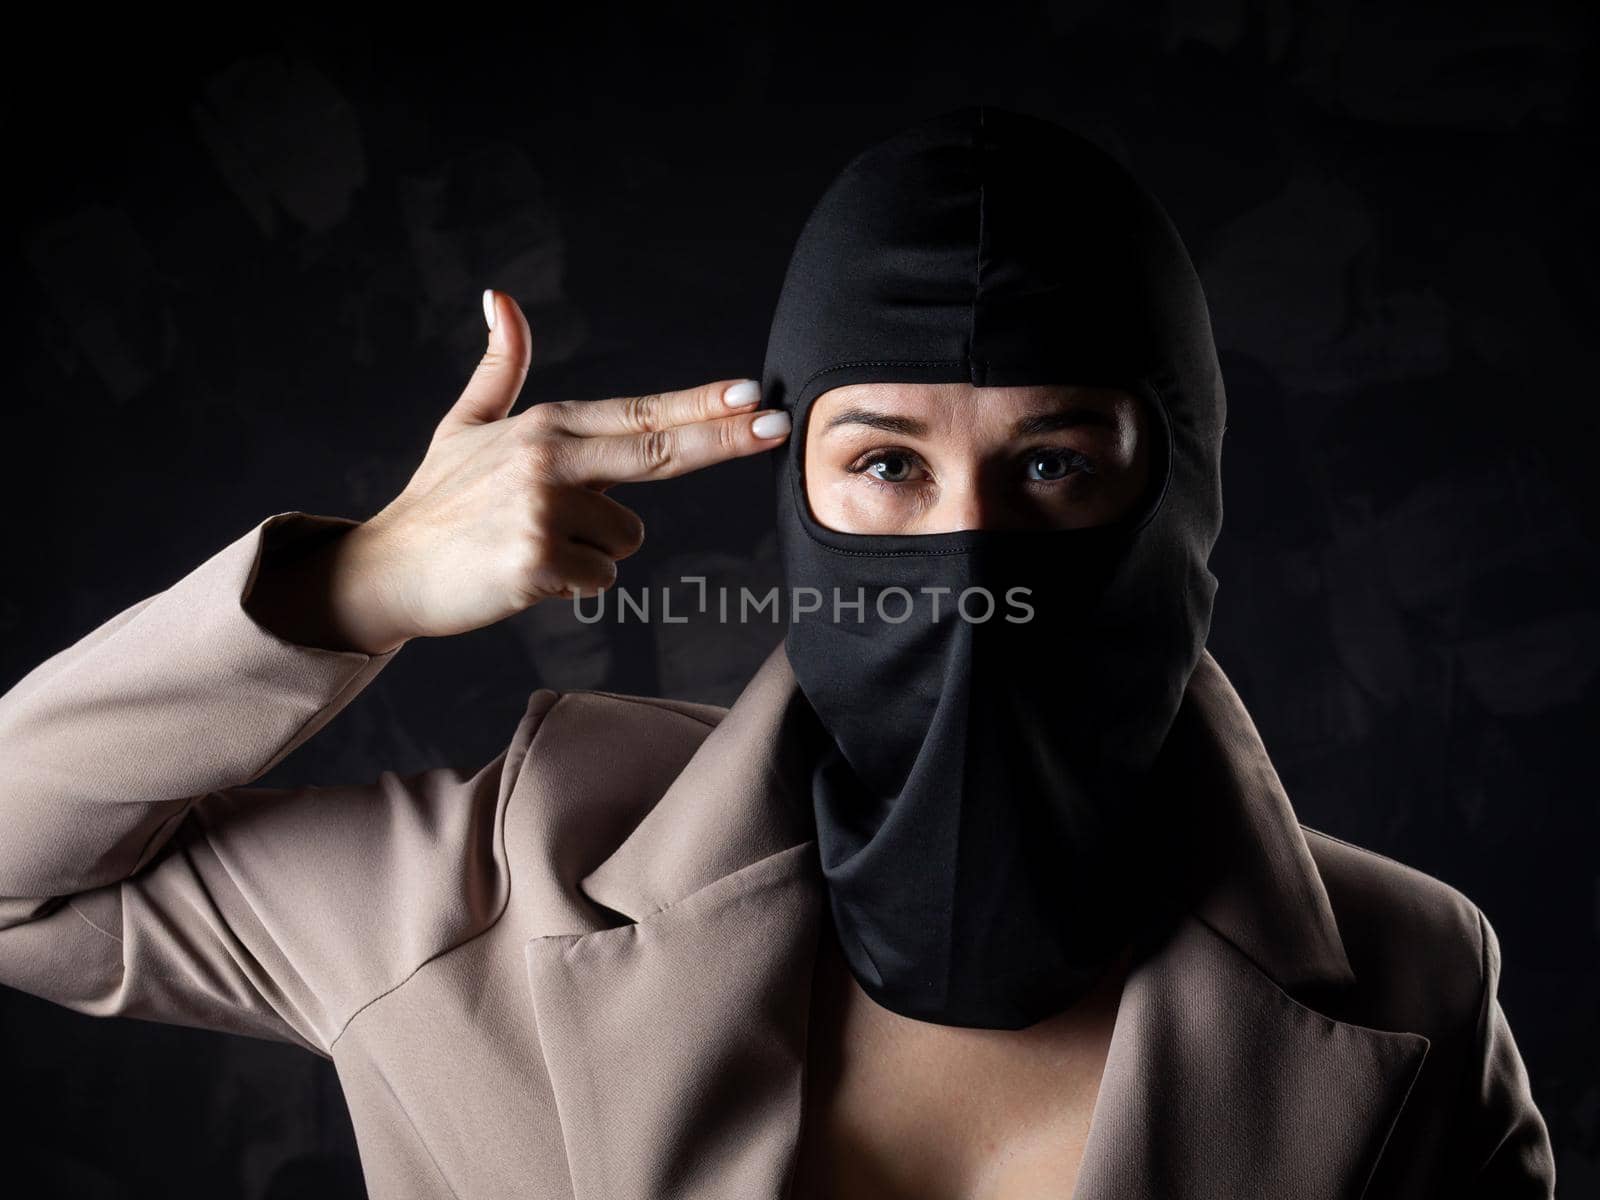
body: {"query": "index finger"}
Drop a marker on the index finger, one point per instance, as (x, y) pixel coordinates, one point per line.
(654, 411)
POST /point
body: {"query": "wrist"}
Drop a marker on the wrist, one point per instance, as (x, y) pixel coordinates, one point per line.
(365, 605)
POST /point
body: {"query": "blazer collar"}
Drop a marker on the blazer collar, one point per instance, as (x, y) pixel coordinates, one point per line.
(676, 1041)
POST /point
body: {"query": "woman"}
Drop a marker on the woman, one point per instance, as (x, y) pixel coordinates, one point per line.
(1005, 902)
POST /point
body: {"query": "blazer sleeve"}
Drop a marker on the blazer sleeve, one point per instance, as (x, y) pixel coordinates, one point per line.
(139, 876)
(1509, 1145)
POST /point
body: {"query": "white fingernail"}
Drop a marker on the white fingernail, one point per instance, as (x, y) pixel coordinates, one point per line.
(747, 391)
(770, 425)
(488, 306)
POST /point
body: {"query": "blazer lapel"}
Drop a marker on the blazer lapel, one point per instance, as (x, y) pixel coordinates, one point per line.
(1219, 1084)
(1224, 1077)
(676, 1045)
(676, 1041)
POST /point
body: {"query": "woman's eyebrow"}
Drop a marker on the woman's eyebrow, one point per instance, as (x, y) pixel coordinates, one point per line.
(905, 426)
(1071, 418)
(1050, 422)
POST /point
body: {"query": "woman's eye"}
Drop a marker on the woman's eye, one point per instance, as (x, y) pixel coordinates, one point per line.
(1046, 466)
(890, 468)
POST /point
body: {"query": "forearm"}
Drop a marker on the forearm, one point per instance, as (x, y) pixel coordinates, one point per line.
(104, 744)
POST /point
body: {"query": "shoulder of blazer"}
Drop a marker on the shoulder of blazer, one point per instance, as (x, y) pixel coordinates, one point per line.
(1415, 943)
(600, 760)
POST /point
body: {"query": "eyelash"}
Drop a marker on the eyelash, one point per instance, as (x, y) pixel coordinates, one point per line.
(1078, 464)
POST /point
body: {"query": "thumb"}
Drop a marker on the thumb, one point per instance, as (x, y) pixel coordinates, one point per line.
(498, 378)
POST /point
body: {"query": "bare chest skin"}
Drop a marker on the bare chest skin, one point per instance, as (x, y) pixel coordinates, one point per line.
(897, 1108)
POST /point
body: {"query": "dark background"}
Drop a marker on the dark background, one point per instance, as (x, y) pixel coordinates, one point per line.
(244, 277)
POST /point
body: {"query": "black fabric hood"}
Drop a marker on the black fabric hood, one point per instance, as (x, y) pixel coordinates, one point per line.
(989, 246)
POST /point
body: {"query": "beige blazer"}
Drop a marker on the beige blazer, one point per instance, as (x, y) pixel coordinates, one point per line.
(583, 969)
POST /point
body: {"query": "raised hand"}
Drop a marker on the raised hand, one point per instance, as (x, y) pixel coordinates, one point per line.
(505, 511)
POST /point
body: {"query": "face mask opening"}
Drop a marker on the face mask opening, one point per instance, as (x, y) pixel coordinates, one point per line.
(1159, 433)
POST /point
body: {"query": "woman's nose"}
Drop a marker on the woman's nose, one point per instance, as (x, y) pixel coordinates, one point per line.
(970, 505)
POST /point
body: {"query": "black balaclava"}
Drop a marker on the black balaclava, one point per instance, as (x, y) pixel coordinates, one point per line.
(985, 830)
